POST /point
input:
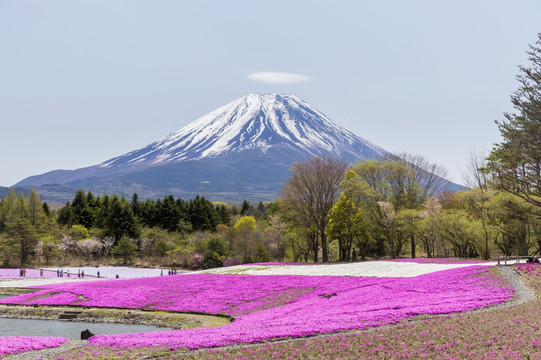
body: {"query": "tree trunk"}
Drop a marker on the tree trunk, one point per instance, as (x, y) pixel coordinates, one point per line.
(412, 247)
(324, 254)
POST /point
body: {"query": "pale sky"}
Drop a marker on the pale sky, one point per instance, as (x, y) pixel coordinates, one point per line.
(84, 81)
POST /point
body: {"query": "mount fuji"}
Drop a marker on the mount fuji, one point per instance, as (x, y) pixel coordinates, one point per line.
(242, 150)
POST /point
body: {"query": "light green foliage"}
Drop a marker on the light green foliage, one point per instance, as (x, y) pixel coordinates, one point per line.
(245, 231)
(21, 222)
(478, 204)
(408, 222)
(245, 224)
(428, 233)
(35, 208)
(347, 225)
(461, 232)
(383, 189)
(516, 224)
(78, 232)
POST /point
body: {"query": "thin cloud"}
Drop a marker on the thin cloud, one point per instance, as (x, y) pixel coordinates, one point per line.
(279, 78)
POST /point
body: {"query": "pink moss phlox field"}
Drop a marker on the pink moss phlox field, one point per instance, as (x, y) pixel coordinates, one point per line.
(269, 307)
(529, 268)
(30, 273)
(18, 344)
(440, 261)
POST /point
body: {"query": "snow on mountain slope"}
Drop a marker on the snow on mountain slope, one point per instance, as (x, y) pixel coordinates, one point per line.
(242, 150)
(256, 121)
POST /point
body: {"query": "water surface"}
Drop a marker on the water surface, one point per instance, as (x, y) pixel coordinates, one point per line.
(68, 329)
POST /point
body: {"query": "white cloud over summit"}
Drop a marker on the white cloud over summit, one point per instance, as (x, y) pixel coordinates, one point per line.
(279, 78)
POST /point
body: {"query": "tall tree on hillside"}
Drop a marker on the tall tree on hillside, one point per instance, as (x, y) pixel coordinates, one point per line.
(202, 214)
(120, 221)
(347, 224)
(245, 229)
(383, 188)
(312, 191)
(21, 232)
(516, 161)
(7, 209)
(35, 208)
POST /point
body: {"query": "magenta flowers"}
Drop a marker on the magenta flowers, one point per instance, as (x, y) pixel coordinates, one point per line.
(268, 307)
(17, 344)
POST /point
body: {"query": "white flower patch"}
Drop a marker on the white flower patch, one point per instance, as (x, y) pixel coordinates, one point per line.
(369, 269)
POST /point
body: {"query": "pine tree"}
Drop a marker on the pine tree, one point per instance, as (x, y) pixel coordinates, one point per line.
(35, 207)
(516, 162)
(82, 214)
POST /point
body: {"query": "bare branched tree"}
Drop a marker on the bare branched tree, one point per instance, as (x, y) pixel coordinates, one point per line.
(431, 177)
(312, 190)
(476, 175)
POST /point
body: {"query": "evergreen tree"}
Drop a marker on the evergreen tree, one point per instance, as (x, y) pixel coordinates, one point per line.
(223, 215)
(125, 248)
(46, 209)
(21, 232)
(516, 161)
(103, 208)
(245, 207)
(135, 204)
(202, 215)
(35, 207)
(65, 215)
(82, 214)
(120, 220)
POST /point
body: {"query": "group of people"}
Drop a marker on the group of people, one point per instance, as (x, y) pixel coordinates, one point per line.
(60, 273)
(170, 272)
(22, 272)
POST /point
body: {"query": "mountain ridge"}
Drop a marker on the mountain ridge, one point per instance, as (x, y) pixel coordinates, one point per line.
(241, 150)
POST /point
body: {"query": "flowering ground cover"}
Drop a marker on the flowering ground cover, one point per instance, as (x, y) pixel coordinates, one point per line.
(510, 333)
(270, 307)
(441, 261)
(380, 268)
(18, 344)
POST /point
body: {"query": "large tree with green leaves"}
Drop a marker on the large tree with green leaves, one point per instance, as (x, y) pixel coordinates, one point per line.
(516, 161)
(384, 188)
(347, 225)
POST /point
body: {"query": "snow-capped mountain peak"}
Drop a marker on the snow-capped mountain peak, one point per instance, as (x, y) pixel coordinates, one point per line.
(254, 122)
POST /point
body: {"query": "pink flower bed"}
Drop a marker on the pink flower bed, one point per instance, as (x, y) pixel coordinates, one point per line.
(18, 344)
(439, 261)
(269, 307)
(30, 273)
(529, 268)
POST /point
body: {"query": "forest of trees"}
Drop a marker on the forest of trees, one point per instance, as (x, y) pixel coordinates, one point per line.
(327, 211)
(383, 208)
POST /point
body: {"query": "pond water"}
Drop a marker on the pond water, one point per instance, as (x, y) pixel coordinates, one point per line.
(68, 329)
